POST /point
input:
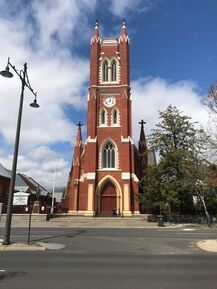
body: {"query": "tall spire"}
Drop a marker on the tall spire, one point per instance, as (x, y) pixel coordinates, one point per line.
(78, 146)
(75, 171)
(142, 133)
(143, 150)
(124, 37)
(142, 139)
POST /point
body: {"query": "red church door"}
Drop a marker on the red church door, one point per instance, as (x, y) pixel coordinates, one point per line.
(108, 199)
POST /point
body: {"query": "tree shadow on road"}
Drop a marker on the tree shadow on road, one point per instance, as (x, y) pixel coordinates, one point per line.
(75, 234)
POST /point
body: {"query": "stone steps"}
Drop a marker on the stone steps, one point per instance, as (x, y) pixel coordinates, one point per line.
(98, 220)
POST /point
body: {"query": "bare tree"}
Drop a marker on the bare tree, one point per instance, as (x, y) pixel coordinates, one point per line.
(211, 99)
(210, 135)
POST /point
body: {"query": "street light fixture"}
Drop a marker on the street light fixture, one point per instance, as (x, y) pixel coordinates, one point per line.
(6, 72)
(34, 103)
(22, 74)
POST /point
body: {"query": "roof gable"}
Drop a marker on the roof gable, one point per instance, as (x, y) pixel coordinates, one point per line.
(4, 172)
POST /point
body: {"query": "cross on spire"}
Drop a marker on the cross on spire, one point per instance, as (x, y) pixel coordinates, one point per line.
(142, 122)
(79, 124)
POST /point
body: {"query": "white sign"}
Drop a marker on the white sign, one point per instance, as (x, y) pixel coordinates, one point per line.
(20, 199)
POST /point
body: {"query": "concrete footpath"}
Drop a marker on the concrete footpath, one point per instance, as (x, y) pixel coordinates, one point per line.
(100, 222)
(32, 246)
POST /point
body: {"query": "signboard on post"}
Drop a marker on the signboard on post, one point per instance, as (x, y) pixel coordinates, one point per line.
(20, 199)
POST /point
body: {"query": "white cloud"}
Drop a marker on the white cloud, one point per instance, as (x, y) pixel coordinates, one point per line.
(122, 7)
(151, 95)
(58, 77)
(44, 34)
(40, 163)
(60, 20)
(42, 153)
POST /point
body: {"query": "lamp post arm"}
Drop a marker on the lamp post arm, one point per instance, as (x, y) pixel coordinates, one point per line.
(23, 77)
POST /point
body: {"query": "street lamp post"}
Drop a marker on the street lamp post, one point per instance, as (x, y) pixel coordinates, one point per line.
(25, 83)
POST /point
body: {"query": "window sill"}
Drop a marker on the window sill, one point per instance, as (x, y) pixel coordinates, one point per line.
(107, 126)
(109, 170)
(115, 125)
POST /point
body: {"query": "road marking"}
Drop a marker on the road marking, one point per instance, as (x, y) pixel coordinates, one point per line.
(188, 229)
(197, 233)
(2, 271)
(168, 230)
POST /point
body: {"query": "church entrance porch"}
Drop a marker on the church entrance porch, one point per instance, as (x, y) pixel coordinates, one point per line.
(108, 199)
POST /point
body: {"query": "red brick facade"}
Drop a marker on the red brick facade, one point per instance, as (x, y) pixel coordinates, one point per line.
(102, 178)
(4, 189)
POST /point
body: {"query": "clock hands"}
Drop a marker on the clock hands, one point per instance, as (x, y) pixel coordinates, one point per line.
(109, 101)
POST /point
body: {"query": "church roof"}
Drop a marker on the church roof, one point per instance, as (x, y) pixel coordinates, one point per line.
(20, 185)
(32, 184)
(4, 172)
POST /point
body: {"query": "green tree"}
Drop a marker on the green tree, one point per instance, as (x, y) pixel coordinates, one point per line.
(174, 132)
(151, 197)
(174, 181)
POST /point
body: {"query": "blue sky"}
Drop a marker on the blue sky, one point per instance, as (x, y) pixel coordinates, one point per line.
(178, 42)
(173, 61)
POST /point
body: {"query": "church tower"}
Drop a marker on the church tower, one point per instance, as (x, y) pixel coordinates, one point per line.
(102, 178)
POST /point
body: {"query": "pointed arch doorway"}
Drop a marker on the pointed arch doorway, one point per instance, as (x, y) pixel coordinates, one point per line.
(108, 199)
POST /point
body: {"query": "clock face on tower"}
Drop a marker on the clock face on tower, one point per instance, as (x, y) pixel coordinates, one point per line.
(109, 101)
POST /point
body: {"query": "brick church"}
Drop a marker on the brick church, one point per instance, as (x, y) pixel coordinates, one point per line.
(107, 166)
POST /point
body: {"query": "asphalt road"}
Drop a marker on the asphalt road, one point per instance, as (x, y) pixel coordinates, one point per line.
(110, 259)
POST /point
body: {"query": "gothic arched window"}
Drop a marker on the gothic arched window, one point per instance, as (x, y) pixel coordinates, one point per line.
(105, 71)
(108, 155)
(113, 70)
(114, 116)
(103, 117)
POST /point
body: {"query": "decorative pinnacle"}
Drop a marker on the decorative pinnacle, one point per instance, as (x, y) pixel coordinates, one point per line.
(124, 23)
(96, 24)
